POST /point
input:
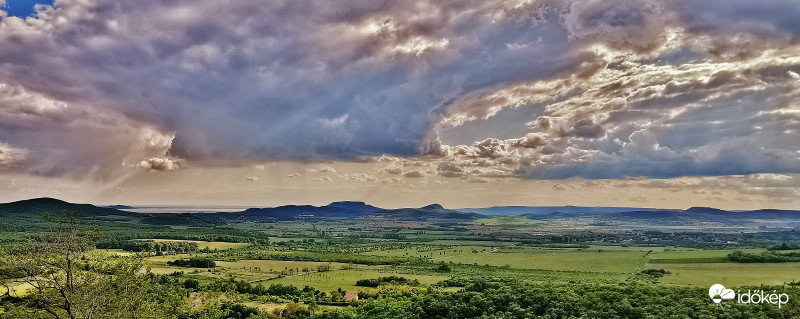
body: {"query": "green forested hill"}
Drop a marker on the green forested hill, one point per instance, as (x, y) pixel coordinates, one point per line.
(31, 211)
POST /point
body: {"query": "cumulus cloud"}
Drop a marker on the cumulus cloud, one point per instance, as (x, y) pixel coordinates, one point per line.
(644, 144)
(327, 169)
(362, 177)
(478, 180)
(161, 164)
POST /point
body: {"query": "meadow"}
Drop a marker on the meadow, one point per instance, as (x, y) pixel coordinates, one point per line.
(689, 267)
(212, 245)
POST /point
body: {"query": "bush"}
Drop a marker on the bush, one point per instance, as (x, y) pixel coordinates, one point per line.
(765, 257)
(196, 262)
(656, 273)
(390, 280)
(191, 284)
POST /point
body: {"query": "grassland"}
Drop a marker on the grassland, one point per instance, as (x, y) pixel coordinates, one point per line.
(685, 266)
(702, 268)
(555, 259)
(209, 244)
(731, 274)
(256, 270)
(346, 279)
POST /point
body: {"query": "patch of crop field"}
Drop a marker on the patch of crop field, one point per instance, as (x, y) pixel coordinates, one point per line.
(16, 289)
(252, 270)
(562, 259)
(210, 244)
(729, 274)
(282, 239)
(289, 229)
(506, 221)
(700, 260)
(162, 260)
(506, 273)
(697, 253)
(629, 248)
(117, 252)
(166, 270)
(158, 264)
(428, 251)
(346, 279)
(472, 243)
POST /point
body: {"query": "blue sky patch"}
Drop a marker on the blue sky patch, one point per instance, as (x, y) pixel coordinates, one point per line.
(23, 8)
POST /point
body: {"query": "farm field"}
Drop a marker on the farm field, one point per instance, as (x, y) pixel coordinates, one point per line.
(252, 270)
(346, 279)
(555, 259)
(685, 267)
(688, 254)
(732, 274)
(208, 244)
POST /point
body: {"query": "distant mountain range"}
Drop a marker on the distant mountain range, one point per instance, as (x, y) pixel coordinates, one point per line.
(32, 208)
(534, 210)
(344, 210)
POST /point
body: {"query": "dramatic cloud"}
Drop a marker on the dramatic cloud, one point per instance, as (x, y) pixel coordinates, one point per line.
(161, 164)
(635, 108)
(608, 89)
(276, 80)
(10, 156)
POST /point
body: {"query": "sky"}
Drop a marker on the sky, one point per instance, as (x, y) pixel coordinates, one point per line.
(23, 8)
(467, 103)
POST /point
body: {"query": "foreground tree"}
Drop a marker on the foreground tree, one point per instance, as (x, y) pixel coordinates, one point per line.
(67, 278)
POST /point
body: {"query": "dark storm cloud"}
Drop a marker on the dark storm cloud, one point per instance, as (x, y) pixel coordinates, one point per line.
(283, 79)
(92, 86)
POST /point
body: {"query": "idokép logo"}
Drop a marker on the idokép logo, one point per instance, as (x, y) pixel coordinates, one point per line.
(718, 293)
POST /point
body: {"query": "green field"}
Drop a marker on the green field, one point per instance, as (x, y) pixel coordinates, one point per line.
(695, 267)
(346, 279)
(688, 267)
(729, 274)
(209, 244)
(556, 259)
(252, 270)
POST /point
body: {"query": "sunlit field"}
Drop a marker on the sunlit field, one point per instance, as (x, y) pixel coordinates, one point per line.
(209, 244)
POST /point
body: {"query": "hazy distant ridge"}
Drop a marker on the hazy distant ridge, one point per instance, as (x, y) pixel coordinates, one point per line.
(32, 208)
